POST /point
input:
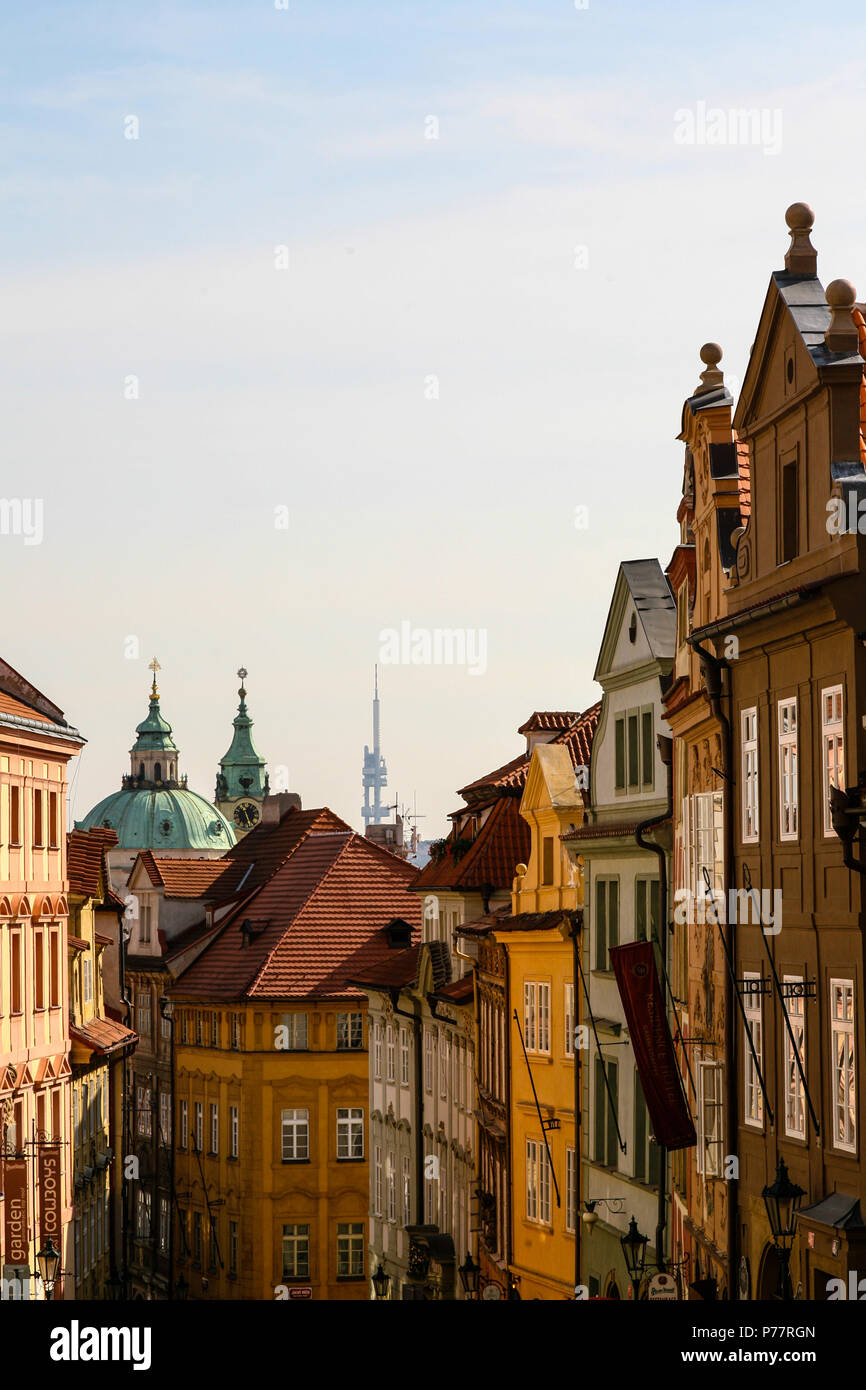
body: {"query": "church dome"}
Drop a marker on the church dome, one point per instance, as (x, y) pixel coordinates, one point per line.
(153, 809)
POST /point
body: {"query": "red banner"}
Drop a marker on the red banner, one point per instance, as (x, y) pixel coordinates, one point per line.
(49, 1193)
(16, 1236)
(639, 989)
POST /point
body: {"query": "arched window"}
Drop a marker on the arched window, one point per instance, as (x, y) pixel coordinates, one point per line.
(141, 770)
(157, 772)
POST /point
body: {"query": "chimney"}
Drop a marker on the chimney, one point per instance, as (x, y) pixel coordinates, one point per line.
(275, 807)
(711, 376)
(842, 334)
(801, 257)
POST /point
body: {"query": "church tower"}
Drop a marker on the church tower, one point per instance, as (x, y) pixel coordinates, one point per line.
(242, 782)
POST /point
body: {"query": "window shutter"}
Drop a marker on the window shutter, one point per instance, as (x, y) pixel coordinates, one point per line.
(600, 924)
(611, 1127)
(619, 744)
(633, 752)
(600, 1112)
(647, 740)
(612, 916)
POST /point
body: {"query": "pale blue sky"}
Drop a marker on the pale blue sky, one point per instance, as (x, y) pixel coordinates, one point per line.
(558, 386)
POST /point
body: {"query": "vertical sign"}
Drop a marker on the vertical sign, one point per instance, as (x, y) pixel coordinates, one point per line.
(49, 1193)
(17, 1238)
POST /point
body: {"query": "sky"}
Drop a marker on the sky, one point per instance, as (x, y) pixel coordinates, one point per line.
(326, 319)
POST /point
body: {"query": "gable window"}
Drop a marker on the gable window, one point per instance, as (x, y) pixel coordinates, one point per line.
(619, 752)
(788, 790)
(536, 1016)
(646, 909)
(749, 764)
(795, 1097)
(606, 1142)
(710, 1149)
(790, 529)
(295, 1127)
(646, 724)
(832, 747)
(753, 1098)
(844, 1094)
(633, 752)
(606, 920)
(547, 860)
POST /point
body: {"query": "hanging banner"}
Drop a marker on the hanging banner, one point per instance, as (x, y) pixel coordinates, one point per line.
(49, 1193)
(637, 979)
(16, 1237)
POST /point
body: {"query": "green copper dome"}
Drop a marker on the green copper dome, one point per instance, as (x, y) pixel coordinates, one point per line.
(173, 818)
(242, 769)
(154, 809)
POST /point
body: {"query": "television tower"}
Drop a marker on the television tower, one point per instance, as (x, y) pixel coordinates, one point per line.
(375, 777)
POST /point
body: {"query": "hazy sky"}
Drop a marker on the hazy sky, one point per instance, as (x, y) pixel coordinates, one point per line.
(550, 264)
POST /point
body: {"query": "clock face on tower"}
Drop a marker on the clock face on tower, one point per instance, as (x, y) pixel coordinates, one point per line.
(246, 815)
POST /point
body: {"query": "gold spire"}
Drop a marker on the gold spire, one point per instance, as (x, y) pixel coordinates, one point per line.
(154, 666)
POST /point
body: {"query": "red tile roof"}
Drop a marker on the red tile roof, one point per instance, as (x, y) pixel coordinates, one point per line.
(86, 866)
(549, 719)
(403, 970)
(458, 991)
(745, 484)
(181, 878)
(102, 1035)
(519, 921)
(602, 830)
(9, 705)
(318, 922)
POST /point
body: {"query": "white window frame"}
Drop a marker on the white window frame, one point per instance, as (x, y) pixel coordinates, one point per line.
(428, 1061)
(295, 1135)
(571, 1190)
(832, 748)
(234, 1131)
(443, 1065)
(378, 1179)
(537, 1183)
(750, 825)
(198, 1112)
(350, 1132)
(753, 1096)
(536, 1016)
(570, 1024)
(214, 1127)
(404, 1056)
(184, 1124)
(377, 1050)
(390, 1053)
(789, 791)
(844, 1076)
(710, 1117)
(795, 1091)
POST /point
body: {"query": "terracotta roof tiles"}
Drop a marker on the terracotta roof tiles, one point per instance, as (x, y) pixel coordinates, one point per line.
(85, 860)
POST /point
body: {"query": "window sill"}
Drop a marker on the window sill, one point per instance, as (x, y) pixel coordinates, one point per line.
(294, 1162)
(351, 1278)
(362, 1159)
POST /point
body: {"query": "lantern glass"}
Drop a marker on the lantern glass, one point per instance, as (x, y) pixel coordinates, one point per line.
(634, 1249)
(381, 1280)
(782, 1198)
(469, 1273)
(48, 1261)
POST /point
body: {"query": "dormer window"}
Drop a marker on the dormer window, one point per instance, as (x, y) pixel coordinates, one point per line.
(632, 628)
(398, 934)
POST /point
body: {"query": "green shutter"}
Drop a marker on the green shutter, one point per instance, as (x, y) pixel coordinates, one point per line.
(639, 1130)
(612, 916)
(640, 909)
(619, 741)
(600, 924)
(612, 1145)
(647, 731)
(633, 752)
(600, 1112)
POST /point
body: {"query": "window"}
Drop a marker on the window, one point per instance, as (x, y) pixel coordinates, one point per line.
(646, 1153)
(87, 968)
(233, 1131)
(619, 752)
(443, 1065)
(788, 792)
(143, 1017)
(790, 539)
(646, 909)
(706, 840)
(377, 1179)
(296, 1136)
(214, 1244)
(53, 822)
(164, 1027)
(214, 1030)
(144, 924)
(143, 1211)
(404, 1057)
(537, 1183)
(832, 746)
(199, 1027)
(196, 1237)
(570, 1189)
(749, 735)
(633, 752)
(39, 968)
(795, 1095)
(391, 1188)
(350, 1250)
(844, 1096)
(234, 1243)
(709, 1117)
(606, 920)
(753, 1101)
(606, 1112)
(184, 1125)
(296, 1252)
(350, 1132)
(377, 1049)
(236, 1032)
(350, 1031)
(570, 1022)
(390, 1053)
(15, 815)
(407, 1190)
(428, 1061)
(144, 1124)
(17, 991)
(38, 821)
(214, 1129)
(647, 750)
(547, 860)
(163, 1225)
(54, 970)
(198, 1111)
(536, 1016)
(294, 1037)
(165, 1117)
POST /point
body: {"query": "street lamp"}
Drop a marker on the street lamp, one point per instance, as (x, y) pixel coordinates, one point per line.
(634, 1249)
(381, 1280)
(782, 1198)
(48, 1261)
(469, 1272)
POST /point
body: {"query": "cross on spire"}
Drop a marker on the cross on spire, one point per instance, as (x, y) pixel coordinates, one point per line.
(154, 666)
(243, 673)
